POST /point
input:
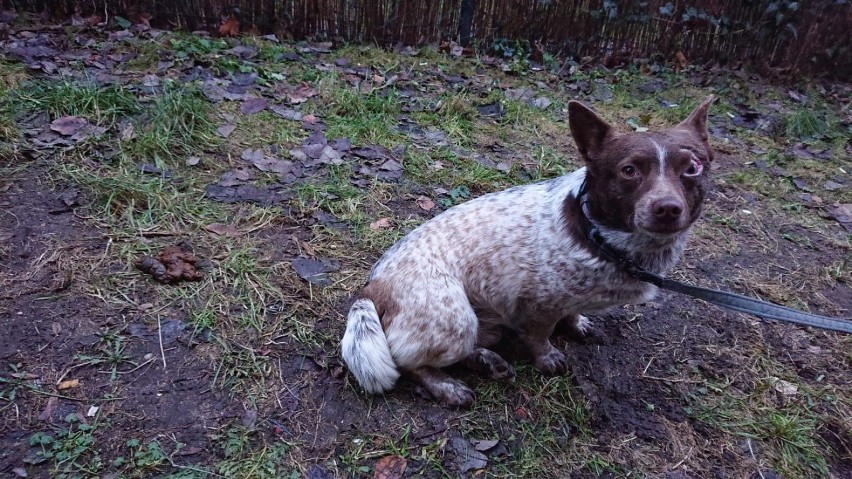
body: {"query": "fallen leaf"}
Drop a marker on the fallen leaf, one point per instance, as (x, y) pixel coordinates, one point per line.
(224, 230)
(92, 411)
(485, 444)
(314, 270)
(310, 119)
(287, 113)
(249, 419)
(301, 94)
(842, 213)
(390, 467)
(192, 161)
(226, 130)
(425, 203)
(541, 102)
(68, 384)
(47, 412)
(253, 105)
(68, 125)
(380, 224)
(467, 457)
(786, 388)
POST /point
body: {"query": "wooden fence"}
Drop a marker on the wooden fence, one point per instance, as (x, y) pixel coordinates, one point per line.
(810, 37)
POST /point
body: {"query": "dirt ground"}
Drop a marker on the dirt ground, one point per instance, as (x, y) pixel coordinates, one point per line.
(675, 388)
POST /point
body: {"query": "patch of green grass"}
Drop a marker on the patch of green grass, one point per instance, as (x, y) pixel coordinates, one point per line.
(364, 118)
(788, 431)
(100, 105)
(176, 124)
(130, 199)
(805, 123)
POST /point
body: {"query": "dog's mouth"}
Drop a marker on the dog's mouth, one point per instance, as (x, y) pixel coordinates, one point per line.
(650, 226)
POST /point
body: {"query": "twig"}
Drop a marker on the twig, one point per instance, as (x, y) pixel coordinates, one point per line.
(655, 378)
(160, 335)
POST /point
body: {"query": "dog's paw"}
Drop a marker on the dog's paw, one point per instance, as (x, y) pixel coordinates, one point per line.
(490, 364)
(552, 363)
(582, 325)
(455, 393)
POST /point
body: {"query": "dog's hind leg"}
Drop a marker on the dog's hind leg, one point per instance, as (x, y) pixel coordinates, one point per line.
(446, 389)
(489, 364)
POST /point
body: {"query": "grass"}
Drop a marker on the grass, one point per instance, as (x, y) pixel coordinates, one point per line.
(100, 105)
(177, 124)
(254, 313)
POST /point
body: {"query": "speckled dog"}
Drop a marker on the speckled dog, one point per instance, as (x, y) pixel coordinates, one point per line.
(520, 259)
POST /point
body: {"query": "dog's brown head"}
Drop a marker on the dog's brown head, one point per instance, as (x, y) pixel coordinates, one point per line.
(652, 182)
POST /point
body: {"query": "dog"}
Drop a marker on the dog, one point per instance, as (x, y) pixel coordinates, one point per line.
(523, 259)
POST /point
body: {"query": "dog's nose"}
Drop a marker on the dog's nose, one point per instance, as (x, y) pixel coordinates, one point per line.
(667, 209)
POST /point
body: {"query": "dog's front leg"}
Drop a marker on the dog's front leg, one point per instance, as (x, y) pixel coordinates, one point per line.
(535, 333)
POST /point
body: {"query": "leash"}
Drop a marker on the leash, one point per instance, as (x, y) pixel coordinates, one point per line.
(737, 302)
(726, 299)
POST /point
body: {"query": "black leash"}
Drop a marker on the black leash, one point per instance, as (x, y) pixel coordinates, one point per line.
(726, 299)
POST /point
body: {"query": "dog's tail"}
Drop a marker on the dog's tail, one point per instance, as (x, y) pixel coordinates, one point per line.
(365, 349)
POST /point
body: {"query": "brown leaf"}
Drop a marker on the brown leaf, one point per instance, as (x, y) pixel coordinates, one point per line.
(223, 230)
(842, 213)
(390, 467)
(68, 384)
(380, 224)
(310, 119)
(68, 125)
(425, 203)
(301, 94)
(253, 105)
(48, 409)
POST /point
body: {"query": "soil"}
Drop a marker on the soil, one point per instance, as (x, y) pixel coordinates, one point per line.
(628, 369)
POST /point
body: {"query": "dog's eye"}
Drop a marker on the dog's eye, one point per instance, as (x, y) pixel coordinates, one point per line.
(695, 168)
(629, 171)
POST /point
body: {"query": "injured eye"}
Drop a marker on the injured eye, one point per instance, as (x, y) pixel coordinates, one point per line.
(694, 169)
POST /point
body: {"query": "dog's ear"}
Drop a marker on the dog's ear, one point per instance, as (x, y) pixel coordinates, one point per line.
(587, 128)
(697, 120)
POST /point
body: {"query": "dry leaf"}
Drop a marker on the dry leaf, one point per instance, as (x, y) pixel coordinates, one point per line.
(380, 224)
(390, 467)
(786, 388)
(223, 230)
(47, 412)
(68, 384)
(68, 125)
(309, 119)
(425, 203)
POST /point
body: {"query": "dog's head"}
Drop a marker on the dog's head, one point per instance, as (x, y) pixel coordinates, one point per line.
(650, 182)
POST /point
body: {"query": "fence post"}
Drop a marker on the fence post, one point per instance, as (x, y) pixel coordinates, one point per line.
(465, 20)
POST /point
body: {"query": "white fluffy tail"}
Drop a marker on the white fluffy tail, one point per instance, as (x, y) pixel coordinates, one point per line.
(365, 349)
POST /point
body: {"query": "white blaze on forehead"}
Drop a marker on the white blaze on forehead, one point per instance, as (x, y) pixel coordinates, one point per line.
(661, 155)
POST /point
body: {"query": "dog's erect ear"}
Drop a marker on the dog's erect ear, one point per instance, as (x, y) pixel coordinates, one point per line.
(587, 128)
(697, 120)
